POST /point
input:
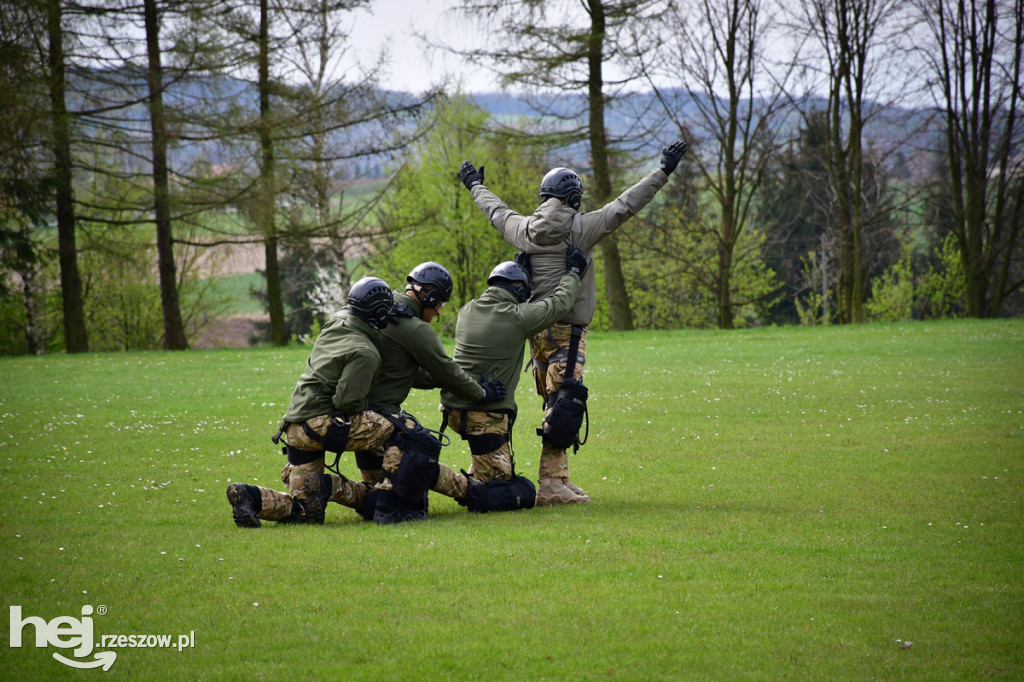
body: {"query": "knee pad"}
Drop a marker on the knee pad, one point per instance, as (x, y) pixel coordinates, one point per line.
(486, 443)
(501, 495)
(419, 469)
(367, 460)
(297, 457)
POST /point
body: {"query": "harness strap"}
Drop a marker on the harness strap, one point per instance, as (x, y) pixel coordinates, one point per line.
(574, 349)
(276, 438)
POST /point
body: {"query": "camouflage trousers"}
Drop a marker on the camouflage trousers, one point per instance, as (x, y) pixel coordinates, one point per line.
(492, 464)
(549, 351)
(369, 431)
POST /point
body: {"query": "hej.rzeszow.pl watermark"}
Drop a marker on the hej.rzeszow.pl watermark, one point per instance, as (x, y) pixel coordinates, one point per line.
(68, 632)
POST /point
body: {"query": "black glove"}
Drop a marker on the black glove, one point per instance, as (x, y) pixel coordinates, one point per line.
(493, 390)
(470, 176)
(671, 154)
(523, 260)
(576, 261)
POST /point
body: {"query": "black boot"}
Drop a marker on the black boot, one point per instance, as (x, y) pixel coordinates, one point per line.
(245, 505)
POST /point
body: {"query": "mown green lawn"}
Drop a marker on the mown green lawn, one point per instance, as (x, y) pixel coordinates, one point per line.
(774, 503)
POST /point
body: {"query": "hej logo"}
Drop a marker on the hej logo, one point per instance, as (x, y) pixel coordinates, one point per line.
(64, 632)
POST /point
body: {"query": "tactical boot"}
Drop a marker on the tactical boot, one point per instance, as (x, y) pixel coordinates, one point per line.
(576, 489)
(318, 487)
(552, 491)
(244, 507)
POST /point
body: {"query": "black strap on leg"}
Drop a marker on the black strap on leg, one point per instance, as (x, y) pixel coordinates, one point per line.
(574, 350)
(276, 438)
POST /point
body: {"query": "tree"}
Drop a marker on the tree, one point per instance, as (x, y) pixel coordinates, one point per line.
(174, 330)
(565, 46)
(429, 217)
(850, 35)
(75, 337)
(26, 185)
(716, 48)
(974, 58)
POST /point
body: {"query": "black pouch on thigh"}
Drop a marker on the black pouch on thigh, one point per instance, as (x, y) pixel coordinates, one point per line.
(562, 425)
(419, 470)
(335, 438)
(501, 495)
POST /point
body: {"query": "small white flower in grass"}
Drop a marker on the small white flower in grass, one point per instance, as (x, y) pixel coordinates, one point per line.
(659, 576)
(163, 552)
(255, 603)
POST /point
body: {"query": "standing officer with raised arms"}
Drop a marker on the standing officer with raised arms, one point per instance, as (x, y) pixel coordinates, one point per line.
(544, 237)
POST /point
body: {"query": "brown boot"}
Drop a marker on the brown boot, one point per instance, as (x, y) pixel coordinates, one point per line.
(552, 491)
(576, 489)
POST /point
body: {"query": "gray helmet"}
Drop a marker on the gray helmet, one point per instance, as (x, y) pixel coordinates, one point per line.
(562, 183)
(370, 299)
(511, 276)
(435, 275)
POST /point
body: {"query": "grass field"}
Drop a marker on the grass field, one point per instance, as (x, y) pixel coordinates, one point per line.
(774, 503)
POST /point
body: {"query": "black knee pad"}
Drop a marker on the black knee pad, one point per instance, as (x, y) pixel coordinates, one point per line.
(297, 457)
(485, 443)
(501, 495)
(366, 460)
(419, 469)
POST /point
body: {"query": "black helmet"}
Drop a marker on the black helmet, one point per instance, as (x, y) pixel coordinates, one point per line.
(511, 276)
(562, 183)
(370, 299)
(435, 275)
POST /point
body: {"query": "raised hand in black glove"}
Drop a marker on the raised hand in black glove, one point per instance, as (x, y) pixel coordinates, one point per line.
(576, 261)
(671, 154)
(470, 176)
(523, 260)
(493, 390)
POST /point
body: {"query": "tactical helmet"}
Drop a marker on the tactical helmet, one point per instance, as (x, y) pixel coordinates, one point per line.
(511, 276)
(435, 275)
(562, 183)
(370, 299)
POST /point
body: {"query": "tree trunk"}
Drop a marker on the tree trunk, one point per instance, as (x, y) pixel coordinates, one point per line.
(278, 331)
(174, 330)
(614, 279)
(75, 337)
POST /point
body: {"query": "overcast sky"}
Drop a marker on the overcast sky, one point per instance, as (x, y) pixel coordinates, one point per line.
(412, 69)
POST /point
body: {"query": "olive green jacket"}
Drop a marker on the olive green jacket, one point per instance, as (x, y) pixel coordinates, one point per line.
(543, 235)
(491, 334)
(407, 347)
(340, 371)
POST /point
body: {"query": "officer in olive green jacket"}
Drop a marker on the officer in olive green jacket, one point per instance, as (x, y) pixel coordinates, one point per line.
(328, 410)
(412, 356)
(544, 236)
(489, 339)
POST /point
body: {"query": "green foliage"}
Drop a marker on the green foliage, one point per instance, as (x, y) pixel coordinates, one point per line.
(767, 503)
(672, 263)
(892, 297)
(429, 215)
(942, 292)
